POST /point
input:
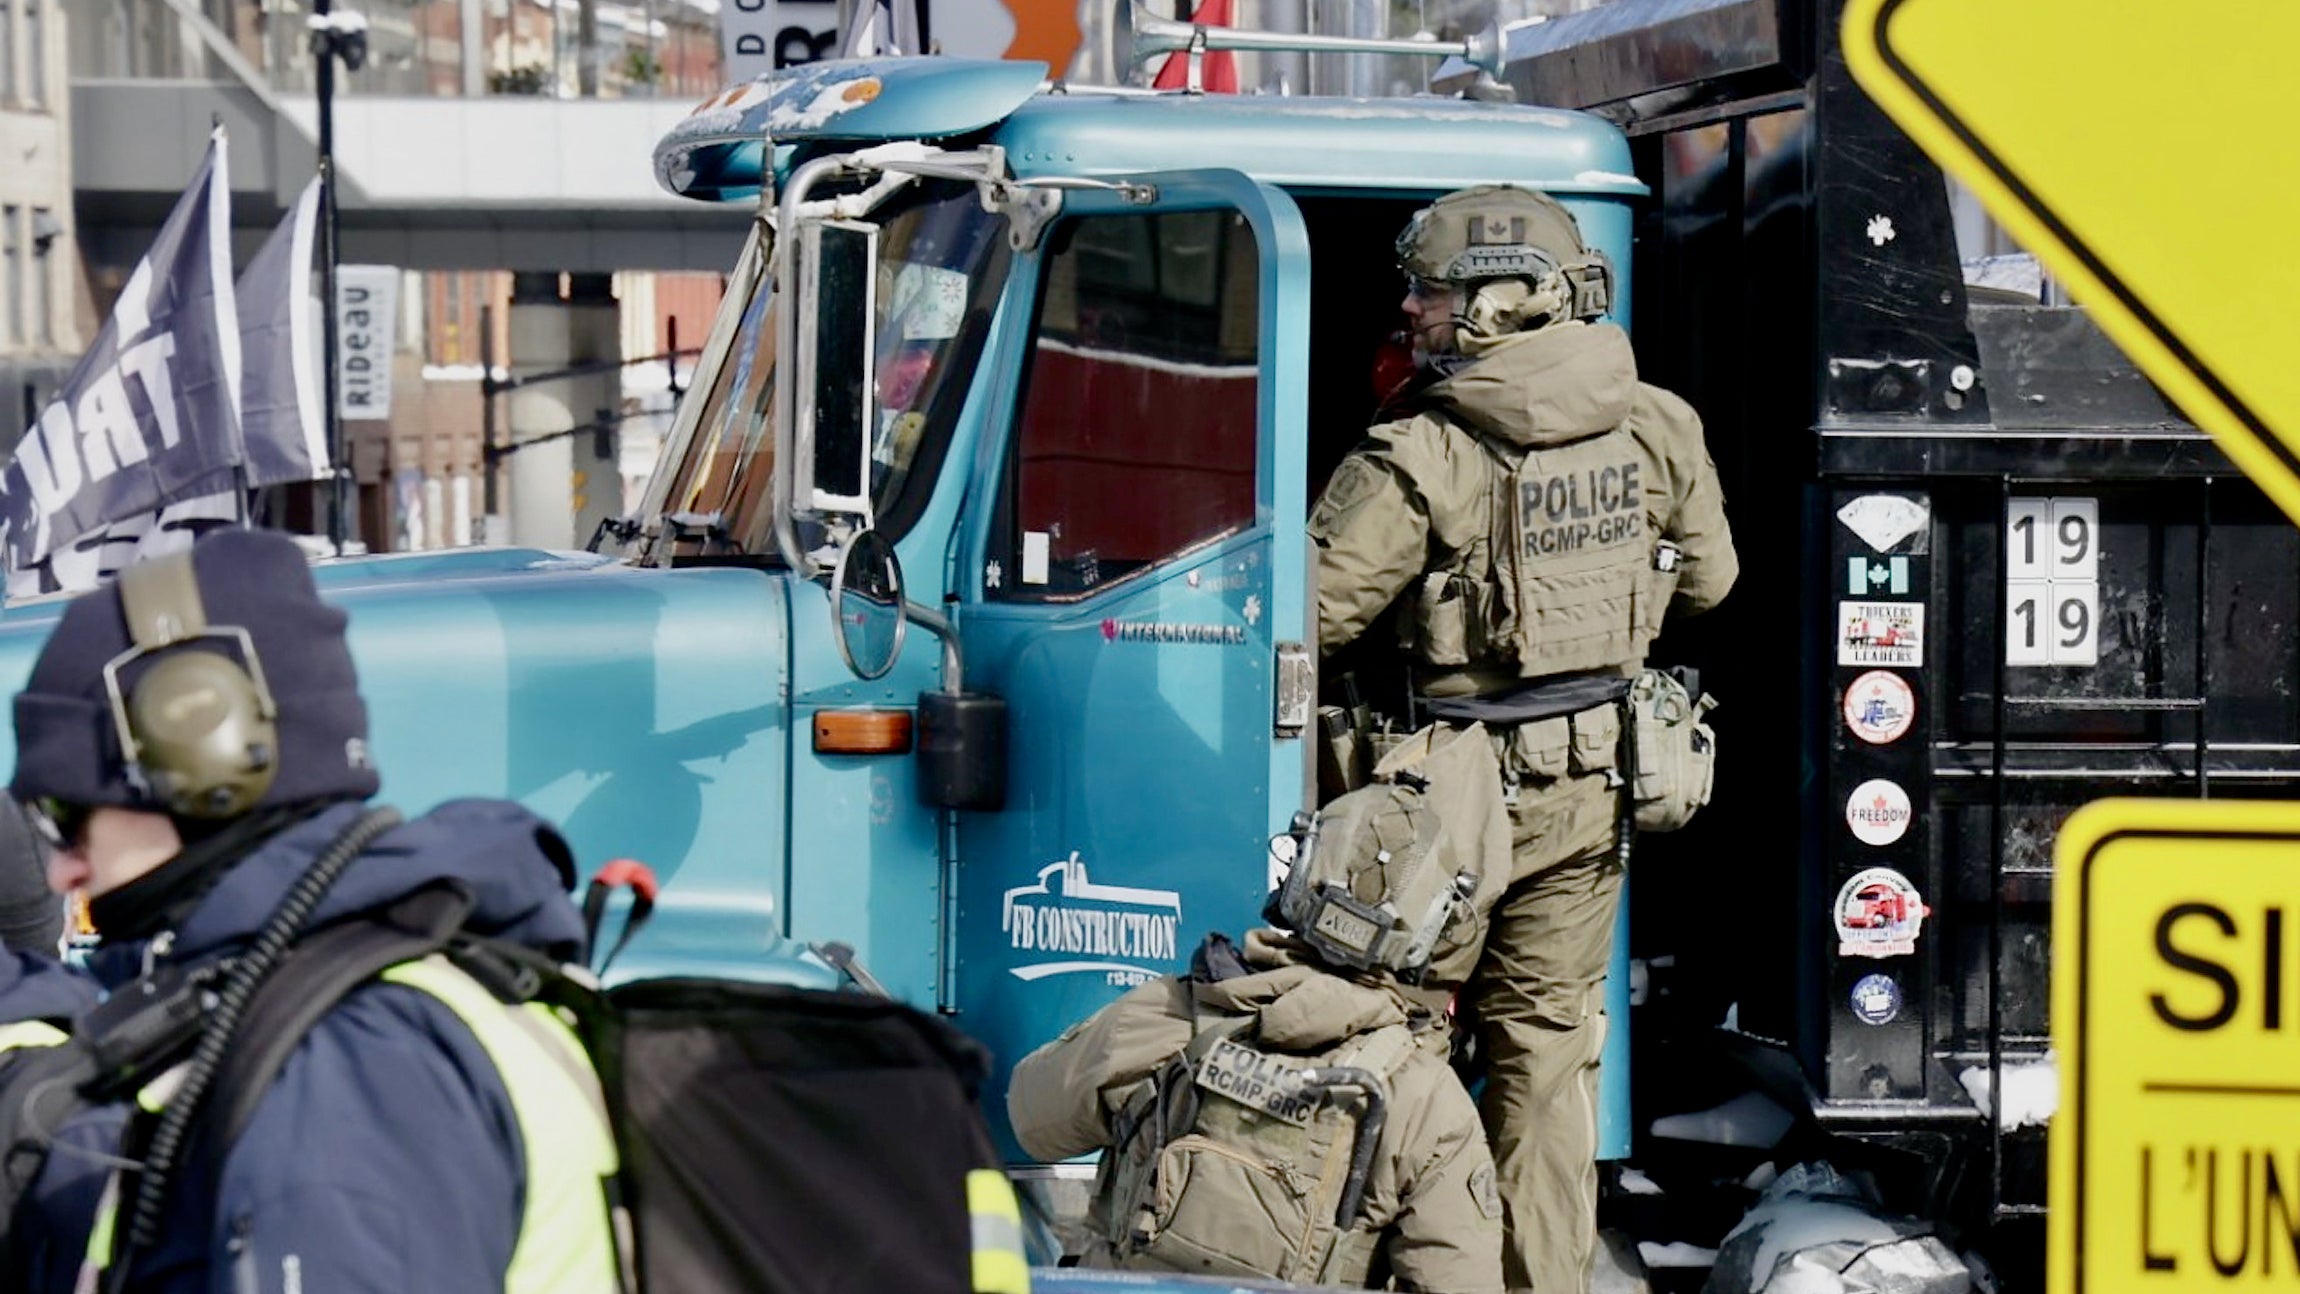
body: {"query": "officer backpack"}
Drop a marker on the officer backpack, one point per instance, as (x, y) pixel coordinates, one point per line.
(1238, 1162)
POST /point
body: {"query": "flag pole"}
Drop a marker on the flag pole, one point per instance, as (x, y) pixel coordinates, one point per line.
(331, 38)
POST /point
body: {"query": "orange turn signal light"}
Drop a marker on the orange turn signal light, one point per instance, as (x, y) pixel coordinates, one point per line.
(862, 732)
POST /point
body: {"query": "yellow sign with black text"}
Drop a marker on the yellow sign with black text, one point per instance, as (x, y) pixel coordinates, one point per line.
(2176, 1020)
(2143, 153)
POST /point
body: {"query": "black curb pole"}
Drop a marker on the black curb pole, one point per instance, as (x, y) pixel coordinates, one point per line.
(326, 45)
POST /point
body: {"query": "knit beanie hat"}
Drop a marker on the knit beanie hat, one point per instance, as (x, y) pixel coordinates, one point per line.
(68, 747)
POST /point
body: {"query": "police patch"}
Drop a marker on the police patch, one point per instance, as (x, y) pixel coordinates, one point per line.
(1595, 507)
(1258, 1081)
(1481, 1191)
(1352, 484)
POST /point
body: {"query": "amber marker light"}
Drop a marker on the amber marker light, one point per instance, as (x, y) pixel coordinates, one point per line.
(862, 732)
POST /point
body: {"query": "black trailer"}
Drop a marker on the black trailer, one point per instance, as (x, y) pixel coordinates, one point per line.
(1960, 502)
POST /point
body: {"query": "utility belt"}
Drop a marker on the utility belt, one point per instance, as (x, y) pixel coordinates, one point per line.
(1645, 735)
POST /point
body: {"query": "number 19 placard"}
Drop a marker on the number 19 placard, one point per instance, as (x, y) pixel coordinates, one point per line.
(2052, 582)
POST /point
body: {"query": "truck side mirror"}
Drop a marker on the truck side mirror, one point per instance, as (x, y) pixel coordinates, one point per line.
(867, 605)
(836, 312)
(961, 734)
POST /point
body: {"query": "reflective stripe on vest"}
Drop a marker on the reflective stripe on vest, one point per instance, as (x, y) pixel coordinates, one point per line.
(30, 1033)
(1000, 1266)
(566, 1242)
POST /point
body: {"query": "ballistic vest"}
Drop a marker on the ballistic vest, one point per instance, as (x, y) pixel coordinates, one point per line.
(566, 1240)
(1223, 1166)
(1563, 580)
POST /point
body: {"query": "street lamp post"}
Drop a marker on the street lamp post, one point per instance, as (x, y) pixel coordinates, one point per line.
(335, 34)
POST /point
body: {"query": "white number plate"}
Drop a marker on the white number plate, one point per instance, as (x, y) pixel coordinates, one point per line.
(2052, 590)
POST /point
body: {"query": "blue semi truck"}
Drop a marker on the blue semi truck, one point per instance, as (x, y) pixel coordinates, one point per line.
(1110, 344)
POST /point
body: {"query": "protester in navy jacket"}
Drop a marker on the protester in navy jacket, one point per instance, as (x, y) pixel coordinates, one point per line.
(388, 1154)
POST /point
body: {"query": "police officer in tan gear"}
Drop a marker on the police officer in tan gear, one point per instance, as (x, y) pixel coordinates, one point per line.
(1532, 521)
(1288, 1113)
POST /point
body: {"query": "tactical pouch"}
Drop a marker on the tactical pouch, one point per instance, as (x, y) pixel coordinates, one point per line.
(1596, 741)
(1447, 625)
(1676, 754)
(1342, 755)
(1540, 751)
(1221, 1210)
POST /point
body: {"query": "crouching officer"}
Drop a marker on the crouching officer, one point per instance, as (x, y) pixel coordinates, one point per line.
(1288, 1113)
(193, 739)
(1532, 517)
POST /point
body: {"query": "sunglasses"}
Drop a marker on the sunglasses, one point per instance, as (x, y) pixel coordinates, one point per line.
(1422, 289)
(59, 822)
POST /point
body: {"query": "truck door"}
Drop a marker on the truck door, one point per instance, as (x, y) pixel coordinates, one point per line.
(1134, 577)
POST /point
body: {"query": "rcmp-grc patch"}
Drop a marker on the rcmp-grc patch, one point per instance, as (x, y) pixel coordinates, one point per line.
(1481, 1190)
(1352, 484)
(1258, 1081)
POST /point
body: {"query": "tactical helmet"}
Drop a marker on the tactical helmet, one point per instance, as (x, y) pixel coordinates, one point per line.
(1373, 881)
(1498, 231)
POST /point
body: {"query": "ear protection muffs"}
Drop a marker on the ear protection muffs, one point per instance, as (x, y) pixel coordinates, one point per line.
(1591, 280)
(198, 729)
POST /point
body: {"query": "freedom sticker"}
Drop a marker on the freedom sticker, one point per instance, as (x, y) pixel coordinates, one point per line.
(1260, 1082)
(1879, 707)
(1879, 914)
(1876, 999)
(1878, 812)
(1881, 633)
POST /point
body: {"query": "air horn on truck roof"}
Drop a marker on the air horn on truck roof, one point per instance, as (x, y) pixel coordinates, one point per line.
(1143, 35)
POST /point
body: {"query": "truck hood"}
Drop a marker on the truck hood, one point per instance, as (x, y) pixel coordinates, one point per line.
(601, 696)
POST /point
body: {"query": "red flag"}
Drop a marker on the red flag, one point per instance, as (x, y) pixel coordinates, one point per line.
(1217, 69)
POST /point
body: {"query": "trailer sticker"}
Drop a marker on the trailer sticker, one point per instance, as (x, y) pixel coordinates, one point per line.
(993, 574)
(1878, 812)
(1036, 545)
(1123, 934)
(1880, 230)
(1879, 914)
(1879, 707)
(1881, 633)
(1884, 520)
(1876, 999)
(1868, 576)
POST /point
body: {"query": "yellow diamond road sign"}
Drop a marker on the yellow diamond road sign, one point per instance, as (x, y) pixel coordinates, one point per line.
(2145, 154)
(2176, 1021)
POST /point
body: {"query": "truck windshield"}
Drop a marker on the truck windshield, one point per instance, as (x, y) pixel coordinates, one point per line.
(942, 260)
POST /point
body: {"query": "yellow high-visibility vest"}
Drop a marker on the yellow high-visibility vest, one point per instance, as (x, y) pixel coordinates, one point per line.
(567, 1238)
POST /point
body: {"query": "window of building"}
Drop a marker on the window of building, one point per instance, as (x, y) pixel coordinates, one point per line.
(35, 53)
(1136, 441)
(47, 231)
(12, 276)
(8, 51)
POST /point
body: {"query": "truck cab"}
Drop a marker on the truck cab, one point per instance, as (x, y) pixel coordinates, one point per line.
(1074, 362)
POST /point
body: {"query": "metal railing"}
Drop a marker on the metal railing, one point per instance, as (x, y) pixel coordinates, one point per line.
(420, 48)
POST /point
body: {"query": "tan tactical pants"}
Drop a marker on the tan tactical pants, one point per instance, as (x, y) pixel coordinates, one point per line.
(1540, 997)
